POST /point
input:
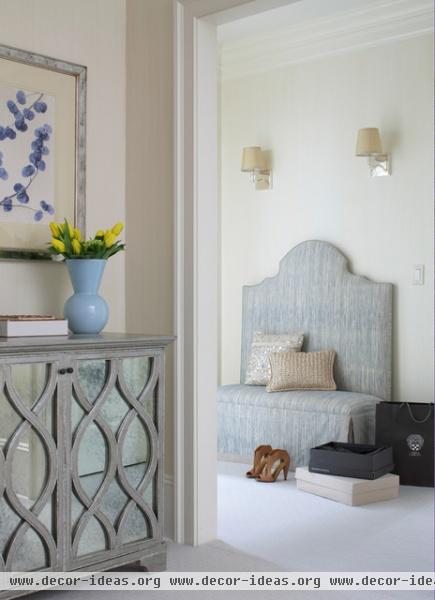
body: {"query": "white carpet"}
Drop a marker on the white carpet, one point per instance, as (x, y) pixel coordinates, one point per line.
(218, 556)
(288, 530)
(215, 556)
(303, 532)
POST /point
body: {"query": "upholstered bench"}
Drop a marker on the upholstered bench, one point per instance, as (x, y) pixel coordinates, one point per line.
(313, 293)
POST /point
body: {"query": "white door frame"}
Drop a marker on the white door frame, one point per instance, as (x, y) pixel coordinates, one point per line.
(196, 263)
(196, 288)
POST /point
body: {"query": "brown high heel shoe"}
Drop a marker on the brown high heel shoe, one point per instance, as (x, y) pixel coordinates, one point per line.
(260, 455)
(270, 474)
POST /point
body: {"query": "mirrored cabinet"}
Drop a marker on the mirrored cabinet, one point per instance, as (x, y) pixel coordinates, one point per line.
(81, 453)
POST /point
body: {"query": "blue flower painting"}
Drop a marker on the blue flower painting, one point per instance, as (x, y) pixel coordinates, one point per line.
(27, 184)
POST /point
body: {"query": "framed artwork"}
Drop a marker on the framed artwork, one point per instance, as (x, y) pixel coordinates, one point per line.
(42, 150)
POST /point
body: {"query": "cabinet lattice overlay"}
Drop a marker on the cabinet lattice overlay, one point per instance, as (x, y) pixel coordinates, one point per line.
(81, 443)
(113, 413)
(28, 467)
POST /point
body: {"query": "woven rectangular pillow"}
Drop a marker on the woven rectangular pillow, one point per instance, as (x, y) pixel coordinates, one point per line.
(258, 369)
(301, 371)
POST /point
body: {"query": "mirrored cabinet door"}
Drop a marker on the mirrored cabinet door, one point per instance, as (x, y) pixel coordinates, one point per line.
(28, 466)
(114, 457)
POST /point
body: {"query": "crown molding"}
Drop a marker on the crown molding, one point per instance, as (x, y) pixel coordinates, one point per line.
(373, 25)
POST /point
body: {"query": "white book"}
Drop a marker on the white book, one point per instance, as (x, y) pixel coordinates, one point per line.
(32, 326)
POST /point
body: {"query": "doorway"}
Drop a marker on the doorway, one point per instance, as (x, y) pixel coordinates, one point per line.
(198, 224)
(196, 176)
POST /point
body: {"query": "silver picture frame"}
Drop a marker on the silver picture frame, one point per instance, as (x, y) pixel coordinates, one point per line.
(79, 72)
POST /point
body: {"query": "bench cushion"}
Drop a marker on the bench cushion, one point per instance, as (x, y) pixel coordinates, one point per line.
(334, 402)
(295, 420)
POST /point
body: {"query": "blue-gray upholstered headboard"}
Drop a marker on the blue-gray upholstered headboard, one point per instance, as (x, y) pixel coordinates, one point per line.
(314, 292)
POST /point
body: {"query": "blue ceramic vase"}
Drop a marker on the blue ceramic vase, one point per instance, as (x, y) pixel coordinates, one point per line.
(86, 311)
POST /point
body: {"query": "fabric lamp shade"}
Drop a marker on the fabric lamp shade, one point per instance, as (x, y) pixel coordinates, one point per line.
(368, 142)
(252, 159)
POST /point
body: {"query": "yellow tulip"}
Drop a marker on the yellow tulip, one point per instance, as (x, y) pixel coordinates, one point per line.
(118, 228)
(58, 245)
(55, 231)
(109, 239)
(76, 246)
(78, 234)
(99, 234)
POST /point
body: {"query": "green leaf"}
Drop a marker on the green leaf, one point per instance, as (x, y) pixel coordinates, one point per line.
(67, 240)
(117, 247)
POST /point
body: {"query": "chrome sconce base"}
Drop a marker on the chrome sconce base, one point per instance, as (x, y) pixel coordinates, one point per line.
(262, 180)
(379, 165)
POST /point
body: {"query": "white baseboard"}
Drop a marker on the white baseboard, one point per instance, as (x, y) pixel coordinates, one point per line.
(169, 522)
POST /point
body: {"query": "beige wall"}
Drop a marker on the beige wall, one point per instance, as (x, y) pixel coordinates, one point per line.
(308, 116)
(149, 189)
(139, 284)
(91, 33)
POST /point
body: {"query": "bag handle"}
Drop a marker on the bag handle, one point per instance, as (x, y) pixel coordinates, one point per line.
(426, 418)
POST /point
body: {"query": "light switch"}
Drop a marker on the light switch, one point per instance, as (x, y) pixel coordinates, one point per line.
(418, 275)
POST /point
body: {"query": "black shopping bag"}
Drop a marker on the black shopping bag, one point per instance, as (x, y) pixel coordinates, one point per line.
(409, 428)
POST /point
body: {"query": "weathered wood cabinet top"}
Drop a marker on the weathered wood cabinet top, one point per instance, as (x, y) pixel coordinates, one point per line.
(82, 342)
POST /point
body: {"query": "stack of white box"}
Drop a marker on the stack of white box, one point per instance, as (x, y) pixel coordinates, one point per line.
(348, 490)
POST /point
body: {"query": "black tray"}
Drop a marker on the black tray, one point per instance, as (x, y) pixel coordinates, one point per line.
(351, 460)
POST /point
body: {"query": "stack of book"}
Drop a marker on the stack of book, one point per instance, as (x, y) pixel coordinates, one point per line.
(32, 325)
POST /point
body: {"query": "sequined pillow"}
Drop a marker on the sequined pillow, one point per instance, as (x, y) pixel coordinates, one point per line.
(258, 369)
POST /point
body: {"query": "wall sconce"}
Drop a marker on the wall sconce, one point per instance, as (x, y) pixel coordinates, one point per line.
(369, 144)
(254, 162)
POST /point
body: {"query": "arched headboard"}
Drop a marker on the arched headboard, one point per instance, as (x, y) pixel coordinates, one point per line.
(315, 293)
